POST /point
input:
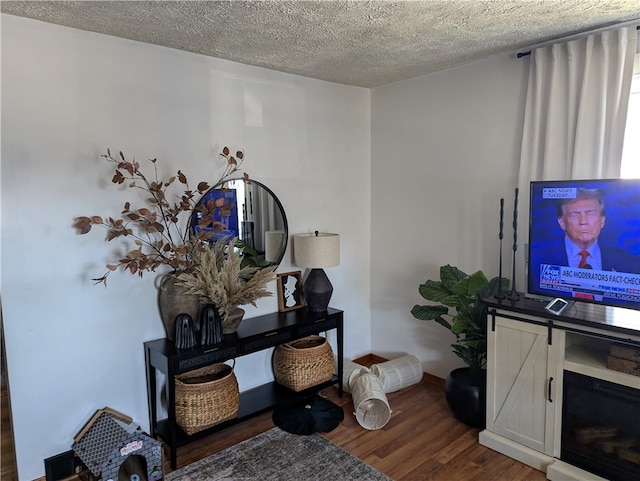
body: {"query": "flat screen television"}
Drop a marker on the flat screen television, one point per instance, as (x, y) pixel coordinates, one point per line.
(584, 241)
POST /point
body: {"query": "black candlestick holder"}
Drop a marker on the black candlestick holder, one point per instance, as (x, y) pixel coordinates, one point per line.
(513, 295)
(500, 294)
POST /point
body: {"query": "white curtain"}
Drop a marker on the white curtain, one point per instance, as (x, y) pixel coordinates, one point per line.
(576, 108)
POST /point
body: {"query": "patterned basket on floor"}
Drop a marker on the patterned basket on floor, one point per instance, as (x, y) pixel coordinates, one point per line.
(304, 363)
(206, 397)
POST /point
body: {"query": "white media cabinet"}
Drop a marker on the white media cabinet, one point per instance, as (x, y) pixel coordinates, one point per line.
(529, 349)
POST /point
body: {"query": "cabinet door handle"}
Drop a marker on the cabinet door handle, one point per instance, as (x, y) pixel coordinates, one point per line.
(550, 380)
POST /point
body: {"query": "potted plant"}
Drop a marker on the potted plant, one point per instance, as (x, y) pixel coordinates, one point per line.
(158, 229)
(465, 388)
(219, 278)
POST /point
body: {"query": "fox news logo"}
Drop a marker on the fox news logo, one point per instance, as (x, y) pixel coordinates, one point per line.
(549, 273)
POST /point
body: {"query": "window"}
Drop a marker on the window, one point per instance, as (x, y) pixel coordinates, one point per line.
(630, 167)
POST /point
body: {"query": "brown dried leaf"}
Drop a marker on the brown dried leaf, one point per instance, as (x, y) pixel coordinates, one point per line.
(82, 225)
(225, 211)
(181, 177)
(225, 151)
(128, 167)
(118, 178)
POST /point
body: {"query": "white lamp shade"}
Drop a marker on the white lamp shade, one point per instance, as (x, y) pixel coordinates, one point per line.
(316, 251)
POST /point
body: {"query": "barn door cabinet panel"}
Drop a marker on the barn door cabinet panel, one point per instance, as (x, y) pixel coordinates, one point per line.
(254, 334)
(523, 373)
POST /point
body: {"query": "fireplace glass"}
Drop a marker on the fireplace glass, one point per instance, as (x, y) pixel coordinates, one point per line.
(601, 427)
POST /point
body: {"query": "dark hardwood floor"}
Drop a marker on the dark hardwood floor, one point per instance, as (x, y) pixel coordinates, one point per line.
(7, 455)
(421, 442)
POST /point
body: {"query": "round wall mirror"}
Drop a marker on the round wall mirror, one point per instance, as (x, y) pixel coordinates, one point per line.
(248, 210)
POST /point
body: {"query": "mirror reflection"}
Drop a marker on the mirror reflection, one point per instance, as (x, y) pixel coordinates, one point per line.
(248, 210)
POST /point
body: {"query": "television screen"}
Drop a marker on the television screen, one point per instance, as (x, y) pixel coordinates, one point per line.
(584, 241)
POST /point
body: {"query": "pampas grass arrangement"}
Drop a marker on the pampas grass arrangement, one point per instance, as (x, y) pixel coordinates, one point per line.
(219, 279)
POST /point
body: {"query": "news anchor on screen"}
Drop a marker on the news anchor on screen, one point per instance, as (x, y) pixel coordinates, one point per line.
(582, 219)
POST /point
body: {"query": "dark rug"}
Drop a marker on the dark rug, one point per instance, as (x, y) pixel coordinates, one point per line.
(280, 456)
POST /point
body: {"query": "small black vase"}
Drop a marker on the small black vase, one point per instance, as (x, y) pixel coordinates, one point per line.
(210, 326)
(466, 396)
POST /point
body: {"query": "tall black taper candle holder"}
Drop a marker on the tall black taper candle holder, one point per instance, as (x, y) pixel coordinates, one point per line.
(500, 294)
(513, 295)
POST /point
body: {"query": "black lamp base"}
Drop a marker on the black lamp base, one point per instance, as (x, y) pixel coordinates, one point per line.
(317, 290)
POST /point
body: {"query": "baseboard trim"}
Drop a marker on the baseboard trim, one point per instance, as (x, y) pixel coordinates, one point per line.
(369, 359)
(433, 379)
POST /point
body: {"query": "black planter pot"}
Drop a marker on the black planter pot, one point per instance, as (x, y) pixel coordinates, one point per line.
(466, 396)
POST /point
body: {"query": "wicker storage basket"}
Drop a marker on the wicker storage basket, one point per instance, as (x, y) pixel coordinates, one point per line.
(206, 397)
(623, 365)
(304, 363)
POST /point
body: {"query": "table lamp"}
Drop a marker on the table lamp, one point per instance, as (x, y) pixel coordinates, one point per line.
(316, 251)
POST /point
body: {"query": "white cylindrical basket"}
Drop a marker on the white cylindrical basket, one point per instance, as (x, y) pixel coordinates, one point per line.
(398, 373)
(371, 406)
(348, 368)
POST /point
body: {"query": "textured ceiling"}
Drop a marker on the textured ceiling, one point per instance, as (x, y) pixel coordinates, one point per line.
(364, 43)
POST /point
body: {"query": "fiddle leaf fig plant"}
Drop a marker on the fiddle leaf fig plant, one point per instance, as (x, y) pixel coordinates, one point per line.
(158, 229)
(460, 310)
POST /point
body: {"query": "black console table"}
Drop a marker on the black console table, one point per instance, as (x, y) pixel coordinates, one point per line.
(254, 334)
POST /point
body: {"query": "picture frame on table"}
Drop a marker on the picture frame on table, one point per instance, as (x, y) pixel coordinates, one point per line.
(290, 291)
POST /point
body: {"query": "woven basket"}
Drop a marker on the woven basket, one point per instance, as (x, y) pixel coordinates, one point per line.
(304, 363)
(206, 397)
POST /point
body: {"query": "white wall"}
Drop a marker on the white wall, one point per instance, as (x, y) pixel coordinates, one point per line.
(445, 148)
(67, 95)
